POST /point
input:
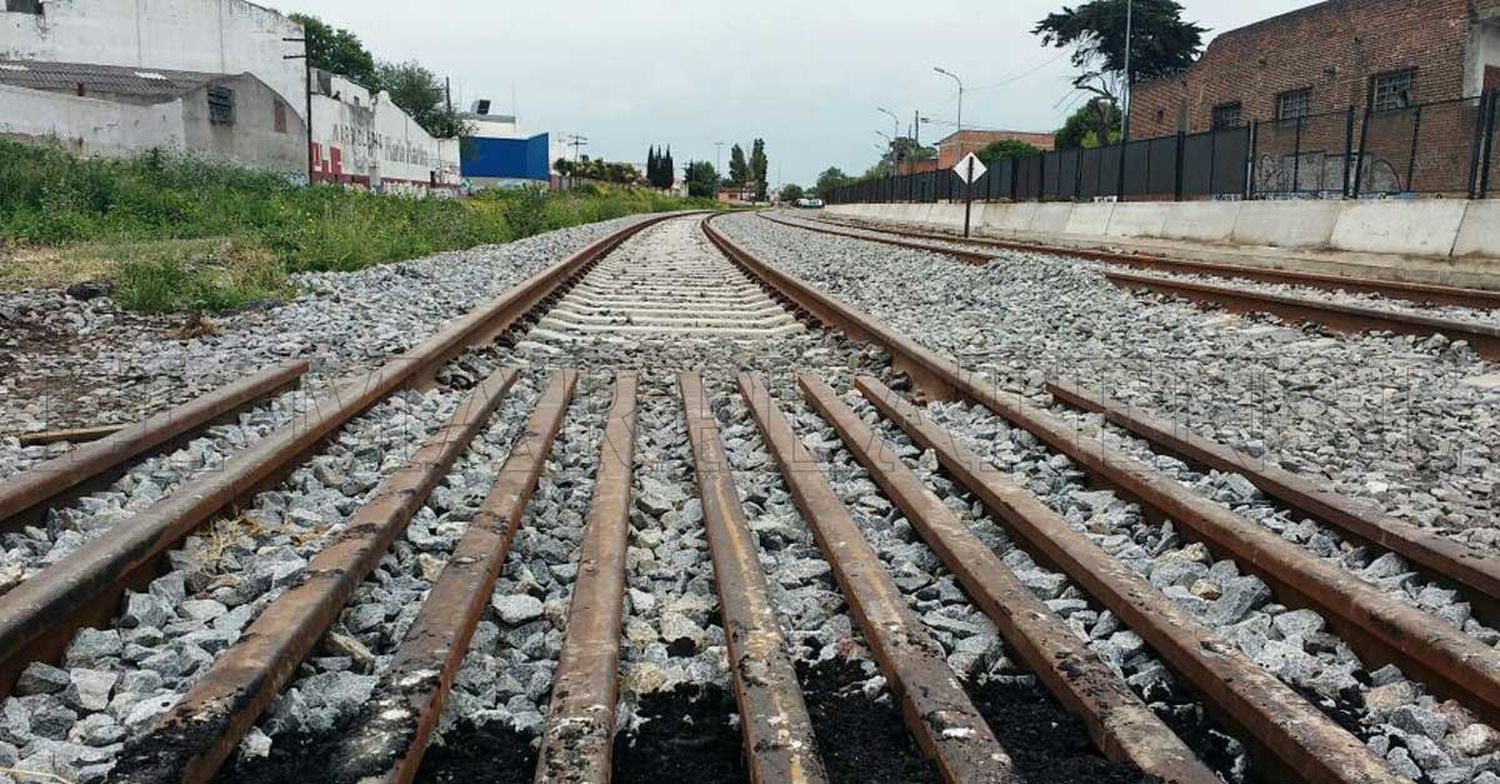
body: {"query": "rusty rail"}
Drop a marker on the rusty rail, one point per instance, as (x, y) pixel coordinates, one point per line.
(388, 740)
(1428, 293)
(1309, 744)
(779, 744)
(967, 256)
(942, 717)
(1474, 572)
(191, 741)
(1118, 721)
(1335, 315)
(39, 617)
(1379, 627)
(27, 491)
(578, 738)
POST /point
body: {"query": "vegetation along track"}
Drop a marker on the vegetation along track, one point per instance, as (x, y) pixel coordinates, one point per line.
(1286, 297)
(713, 450)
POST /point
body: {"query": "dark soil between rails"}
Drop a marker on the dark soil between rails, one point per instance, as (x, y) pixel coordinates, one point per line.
(1048, 744)
(1182, 712)
(861, 741)
(687, 736)
(491, 754)
(294, 759)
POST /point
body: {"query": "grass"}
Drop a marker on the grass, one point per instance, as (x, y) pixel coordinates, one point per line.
(171, 233)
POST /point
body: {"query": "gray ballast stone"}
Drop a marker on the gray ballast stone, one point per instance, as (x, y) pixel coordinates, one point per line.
(518, 608)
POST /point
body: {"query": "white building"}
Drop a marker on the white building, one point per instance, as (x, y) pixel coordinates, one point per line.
(365, 139)
(209, 36)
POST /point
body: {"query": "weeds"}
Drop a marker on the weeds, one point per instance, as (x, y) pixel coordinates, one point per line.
(171, 233)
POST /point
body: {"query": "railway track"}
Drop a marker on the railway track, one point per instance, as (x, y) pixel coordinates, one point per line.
(651, 327)
(1295, 307)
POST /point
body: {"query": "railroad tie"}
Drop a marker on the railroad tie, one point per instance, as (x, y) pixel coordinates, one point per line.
(944, 720)
(778, 737)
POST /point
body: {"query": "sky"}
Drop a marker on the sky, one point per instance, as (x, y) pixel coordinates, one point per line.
(804, 75)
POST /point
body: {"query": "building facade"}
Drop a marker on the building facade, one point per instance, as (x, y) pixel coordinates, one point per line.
(366, 140)
(108, 111)
(1328, 57)
(953, 147)
(497, 152)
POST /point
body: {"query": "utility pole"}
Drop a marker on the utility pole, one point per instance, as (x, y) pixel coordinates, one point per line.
(306, 58)
(1125, 113)
(960, 124)
(577, 141)
(718, 167)
(895, 134)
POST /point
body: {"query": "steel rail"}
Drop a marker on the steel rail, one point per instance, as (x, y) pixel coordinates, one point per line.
(1476, 573)
(26, 492)
(1429, 293)
(386, 743)
(1311, 745)
(1118, 721)
(974, 258)
(780, 747)
(193, 739)
(1336, 316)
(1379, 627)
(578, 738)
(39, 617)
(947, 726)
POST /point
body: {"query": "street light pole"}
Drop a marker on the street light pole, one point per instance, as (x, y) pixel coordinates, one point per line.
(895, 134)
(960, 123)
(1125, 119)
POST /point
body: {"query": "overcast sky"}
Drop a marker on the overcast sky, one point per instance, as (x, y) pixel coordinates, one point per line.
(804, 75)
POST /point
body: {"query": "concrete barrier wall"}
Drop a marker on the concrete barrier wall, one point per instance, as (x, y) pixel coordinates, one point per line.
(1427, 228)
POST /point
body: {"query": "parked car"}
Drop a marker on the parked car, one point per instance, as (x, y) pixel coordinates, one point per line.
(809, 204)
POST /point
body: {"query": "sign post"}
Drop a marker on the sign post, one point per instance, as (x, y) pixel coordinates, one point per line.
(969, 169)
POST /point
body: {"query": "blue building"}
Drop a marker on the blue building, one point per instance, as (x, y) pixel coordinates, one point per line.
(498, 153)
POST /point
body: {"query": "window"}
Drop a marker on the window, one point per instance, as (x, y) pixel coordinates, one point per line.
(24, 7)
(1293, 104)
(280, 117)
(221, 106)
(1227, 115)
(1391, 90)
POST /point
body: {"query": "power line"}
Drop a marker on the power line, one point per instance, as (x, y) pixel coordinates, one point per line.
(1022, 75)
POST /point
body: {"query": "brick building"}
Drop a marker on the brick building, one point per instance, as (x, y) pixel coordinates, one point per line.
(953, 147)
(1325, 58)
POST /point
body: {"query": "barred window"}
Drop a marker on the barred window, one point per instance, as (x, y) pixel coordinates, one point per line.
(221, 106)
(1391, 90)
(24, 7)
(1227, 115)
(1293, 104)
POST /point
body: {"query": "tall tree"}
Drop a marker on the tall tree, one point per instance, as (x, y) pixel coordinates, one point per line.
(1006, 148)
(739, 170)
(758, 166)
(337, 50)
(830, 180)
(1081, 128)
(420, 94)
(1161, 43)
(651, 164)
(668, 169)
(702, 180)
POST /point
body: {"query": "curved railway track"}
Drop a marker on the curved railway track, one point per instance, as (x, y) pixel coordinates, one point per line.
(605, 308)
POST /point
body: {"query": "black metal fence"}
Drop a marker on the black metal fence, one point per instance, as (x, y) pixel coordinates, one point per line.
(1445, 148)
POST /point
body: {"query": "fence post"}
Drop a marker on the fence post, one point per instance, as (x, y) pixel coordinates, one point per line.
(1411, 160)
(1359, 162)
(1078, 174)
(1297, 158)
(1213, 163)
(1254, 162)
(1181, 155)
(1348, 147)
(1489, 145)
(1015, 175)
(1041, 177)
(1120, 190)
(1476, 143)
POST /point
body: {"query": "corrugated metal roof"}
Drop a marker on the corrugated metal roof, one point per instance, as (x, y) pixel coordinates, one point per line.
(151, 83)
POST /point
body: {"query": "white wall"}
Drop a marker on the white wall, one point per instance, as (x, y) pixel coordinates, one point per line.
(215, 36)
(377, 141)
(90, 126)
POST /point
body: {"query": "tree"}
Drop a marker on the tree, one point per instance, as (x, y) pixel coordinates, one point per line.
(336, 50)
(758, 166)
(1081, 128)
(419, 93)
(652, 164)
(1006, 148)
(702, 179)
(904, 149)
(668, 170)
(791, 192)
(1161, 44)
(739, 170)
(830, 180)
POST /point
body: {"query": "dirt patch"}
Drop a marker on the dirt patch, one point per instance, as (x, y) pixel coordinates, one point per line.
(1049, 744)
(861, 740)
(1182, 713)
(687, 737)
(289, 762)
(492, 754)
